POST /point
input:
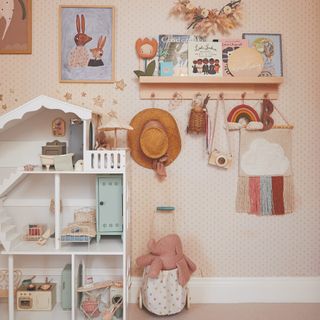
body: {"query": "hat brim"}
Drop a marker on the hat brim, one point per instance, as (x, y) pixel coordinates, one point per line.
(168, 122)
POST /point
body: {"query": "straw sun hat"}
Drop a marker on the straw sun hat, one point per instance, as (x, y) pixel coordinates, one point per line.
(155, 135)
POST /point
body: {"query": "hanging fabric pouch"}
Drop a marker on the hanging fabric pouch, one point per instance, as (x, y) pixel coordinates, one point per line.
(217, 157)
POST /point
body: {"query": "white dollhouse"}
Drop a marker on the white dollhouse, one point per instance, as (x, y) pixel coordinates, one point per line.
(23, 132)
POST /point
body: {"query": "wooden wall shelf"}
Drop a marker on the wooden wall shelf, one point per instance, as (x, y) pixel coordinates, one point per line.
(164, 88)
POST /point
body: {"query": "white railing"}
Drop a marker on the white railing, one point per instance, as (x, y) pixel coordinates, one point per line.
(105, 160)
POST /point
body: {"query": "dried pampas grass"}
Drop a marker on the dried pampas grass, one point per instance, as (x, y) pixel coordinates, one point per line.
(209, 21)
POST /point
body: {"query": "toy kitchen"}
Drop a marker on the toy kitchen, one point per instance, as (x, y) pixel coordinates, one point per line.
(36, 296)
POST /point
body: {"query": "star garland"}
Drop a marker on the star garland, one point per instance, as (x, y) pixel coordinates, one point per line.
(209, 21)
(68, 96)
(98, 101)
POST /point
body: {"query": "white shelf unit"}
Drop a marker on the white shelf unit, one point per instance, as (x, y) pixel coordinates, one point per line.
(109, 247)
(42, 271)
(20, 145)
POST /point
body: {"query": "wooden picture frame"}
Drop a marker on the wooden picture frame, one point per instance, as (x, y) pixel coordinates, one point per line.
(58, 127)
(16, 27)
(87, 44)
(270, 47)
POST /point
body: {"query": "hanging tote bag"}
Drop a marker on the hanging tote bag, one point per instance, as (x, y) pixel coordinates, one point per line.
(216, 156)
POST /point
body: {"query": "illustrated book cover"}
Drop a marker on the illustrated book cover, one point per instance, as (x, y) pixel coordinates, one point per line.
(270, 48)
(228, 47)
(205, 59)
(173, 50)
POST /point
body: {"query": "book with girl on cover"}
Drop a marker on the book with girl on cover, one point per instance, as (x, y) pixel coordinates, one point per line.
(173, 54)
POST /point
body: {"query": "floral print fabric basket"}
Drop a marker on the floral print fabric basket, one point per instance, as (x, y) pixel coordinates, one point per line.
(163, 295)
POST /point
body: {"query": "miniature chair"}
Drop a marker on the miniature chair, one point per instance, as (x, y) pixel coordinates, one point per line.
(92, 306)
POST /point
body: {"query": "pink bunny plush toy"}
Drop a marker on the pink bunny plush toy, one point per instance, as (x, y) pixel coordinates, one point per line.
(167, 254)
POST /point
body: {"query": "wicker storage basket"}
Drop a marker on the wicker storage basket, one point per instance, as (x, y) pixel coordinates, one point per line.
(197, 121)
(199, 115)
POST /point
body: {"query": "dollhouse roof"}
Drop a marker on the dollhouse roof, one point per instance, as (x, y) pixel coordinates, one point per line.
(35, 105)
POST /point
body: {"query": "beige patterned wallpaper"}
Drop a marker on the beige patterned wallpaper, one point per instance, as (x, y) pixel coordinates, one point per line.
(221, 241)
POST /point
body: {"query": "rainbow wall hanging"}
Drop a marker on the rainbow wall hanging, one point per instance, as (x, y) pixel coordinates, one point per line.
(244, 113)
(265, 183)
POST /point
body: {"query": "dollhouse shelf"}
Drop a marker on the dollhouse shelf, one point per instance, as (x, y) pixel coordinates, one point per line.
(108, 246)
(166, 88)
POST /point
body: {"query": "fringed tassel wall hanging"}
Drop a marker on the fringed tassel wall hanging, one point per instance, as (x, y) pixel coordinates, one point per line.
(265, 195)
(265, 184)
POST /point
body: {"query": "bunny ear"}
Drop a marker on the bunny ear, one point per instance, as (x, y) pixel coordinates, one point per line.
(99, 42)
(83, 23)
(103, 42)
(78, 23)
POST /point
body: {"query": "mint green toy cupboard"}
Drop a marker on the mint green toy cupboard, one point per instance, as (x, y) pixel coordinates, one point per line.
(66, 287)
(109, 191)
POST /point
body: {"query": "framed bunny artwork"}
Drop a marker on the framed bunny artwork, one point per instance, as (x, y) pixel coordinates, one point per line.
(87, 44)
(15, 27)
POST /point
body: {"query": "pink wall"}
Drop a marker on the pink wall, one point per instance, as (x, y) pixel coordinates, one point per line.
(222, 242)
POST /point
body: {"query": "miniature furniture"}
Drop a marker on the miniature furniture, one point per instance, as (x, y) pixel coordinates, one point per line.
(4, 284)
(37, 297)
(63, 162)
(109, 205)
(34, 232)
(54, 148)
(92, 304)
(83, 229)
(34, 120)
(66, 290)
(75, 144)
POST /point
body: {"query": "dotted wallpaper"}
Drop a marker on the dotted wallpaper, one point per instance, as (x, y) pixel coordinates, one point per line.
(223, 243)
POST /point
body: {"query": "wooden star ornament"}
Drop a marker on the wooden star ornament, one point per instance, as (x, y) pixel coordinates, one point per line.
(120, 84)
(68, 96)
(98, 101)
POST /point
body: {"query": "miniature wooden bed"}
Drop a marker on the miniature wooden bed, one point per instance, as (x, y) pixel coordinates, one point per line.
(83, 229)
(79, 232)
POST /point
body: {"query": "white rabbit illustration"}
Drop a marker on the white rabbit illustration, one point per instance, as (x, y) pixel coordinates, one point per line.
(79, 56)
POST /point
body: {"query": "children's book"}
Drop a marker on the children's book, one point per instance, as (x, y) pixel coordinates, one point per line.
(228, 47)
(173, 50)
(205, 59)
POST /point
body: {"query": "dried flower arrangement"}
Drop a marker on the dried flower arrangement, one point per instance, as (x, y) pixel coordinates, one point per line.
(209, 21)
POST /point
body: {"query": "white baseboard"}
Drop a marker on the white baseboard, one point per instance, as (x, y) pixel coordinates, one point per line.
(247, 290)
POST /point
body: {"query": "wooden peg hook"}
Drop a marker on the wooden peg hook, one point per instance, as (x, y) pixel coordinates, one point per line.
(243, 95)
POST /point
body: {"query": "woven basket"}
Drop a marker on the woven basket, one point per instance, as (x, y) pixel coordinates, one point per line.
(197, 121)
(90, 307)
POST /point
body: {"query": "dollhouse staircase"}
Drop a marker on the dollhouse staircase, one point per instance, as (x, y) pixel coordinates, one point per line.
(9, 183)
(9, 236)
